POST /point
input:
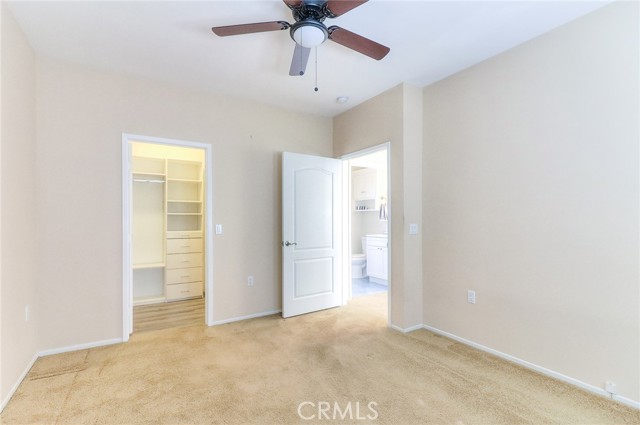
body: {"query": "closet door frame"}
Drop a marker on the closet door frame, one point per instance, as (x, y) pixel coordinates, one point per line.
(127, 191)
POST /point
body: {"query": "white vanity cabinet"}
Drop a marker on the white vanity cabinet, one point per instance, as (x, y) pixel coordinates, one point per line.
(377, 258)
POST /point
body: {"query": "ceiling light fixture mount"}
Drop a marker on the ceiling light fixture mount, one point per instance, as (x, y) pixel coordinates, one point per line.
(309, 33)
(342, 99)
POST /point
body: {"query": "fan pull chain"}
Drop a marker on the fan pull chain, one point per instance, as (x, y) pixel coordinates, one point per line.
(300, 61)
(316, 88)
(300, 55)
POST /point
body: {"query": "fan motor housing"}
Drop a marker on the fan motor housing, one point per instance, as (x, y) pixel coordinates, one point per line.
(310, 9)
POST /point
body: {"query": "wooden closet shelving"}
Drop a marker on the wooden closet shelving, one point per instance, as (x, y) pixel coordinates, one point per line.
(167, 245)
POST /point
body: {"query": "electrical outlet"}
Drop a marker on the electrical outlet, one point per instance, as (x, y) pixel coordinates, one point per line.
(218, 229)
(250, 281)
(413, 229)
(471, 297)
(610, 387)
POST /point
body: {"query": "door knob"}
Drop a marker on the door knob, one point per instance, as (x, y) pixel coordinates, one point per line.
(287, 243)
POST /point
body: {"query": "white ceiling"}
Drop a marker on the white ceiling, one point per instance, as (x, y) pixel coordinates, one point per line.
(172, 41)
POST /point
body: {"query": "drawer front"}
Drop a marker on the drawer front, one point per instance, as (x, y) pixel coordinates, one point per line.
(193, 274)
(183, 246)
(187, 234)
(179, 261)
(182, 291)
(382, 242)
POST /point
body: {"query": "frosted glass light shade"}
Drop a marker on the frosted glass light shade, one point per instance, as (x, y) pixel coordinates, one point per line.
(309, 35)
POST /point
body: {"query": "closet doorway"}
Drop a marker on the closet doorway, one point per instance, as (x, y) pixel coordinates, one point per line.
(167, 278)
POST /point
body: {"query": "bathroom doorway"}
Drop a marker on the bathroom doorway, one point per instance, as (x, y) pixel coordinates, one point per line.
(367, 214)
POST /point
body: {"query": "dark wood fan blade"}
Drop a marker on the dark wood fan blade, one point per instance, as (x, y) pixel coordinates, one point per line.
(250, 28)
(358, 43)
(299, 61)
(336, 8)
(293, 4)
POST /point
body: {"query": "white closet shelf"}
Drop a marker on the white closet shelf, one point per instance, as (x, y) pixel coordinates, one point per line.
(184, 213)
(186, 202)
(146, 173)
(148, 266)
(184, 180)
(138, 180)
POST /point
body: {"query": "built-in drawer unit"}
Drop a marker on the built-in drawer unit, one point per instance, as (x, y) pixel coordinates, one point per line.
(186, 234)
(193, 274)
(184, 246)
(184, 265)
(183, 291)
(178, 261)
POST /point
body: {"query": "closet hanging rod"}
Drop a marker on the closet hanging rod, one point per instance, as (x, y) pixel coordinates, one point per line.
(148, 181)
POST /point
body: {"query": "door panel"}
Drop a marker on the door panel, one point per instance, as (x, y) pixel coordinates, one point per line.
(311, 216)
(313, 277)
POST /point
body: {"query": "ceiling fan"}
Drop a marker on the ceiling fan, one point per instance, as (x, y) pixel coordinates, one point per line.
(309, 31)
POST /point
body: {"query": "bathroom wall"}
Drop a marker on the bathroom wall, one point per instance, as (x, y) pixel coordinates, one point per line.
(364, 223)
(368, 222)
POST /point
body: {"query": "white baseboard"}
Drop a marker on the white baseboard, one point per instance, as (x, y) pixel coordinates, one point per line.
(379, 281)
(539, 369)
(13, 389)
(250, 316)
(626, 401)
(406, 330)
(79, 347)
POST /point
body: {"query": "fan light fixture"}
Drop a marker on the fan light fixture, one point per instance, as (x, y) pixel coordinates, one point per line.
(309, 33)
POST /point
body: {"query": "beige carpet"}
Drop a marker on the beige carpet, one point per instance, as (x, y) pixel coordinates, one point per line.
(260, 371)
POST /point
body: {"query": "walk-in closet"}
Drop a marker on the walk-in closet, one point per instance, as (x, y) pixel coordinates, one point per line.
(167, 246)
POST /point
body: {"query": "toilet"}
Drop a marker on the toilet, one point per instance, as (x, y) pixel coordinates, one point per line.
(359, 262)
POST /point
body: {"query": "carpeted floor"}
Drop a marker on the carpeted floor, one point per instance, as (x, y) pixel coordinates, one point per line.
(341, 363)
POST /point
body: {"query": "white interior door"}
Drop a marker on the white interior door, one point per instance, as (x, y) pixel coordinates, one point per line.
(311, 226)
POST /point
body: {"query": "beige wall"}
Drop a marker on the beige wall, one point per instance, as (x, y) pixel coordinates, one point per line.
(412, 197)
(379, 120)
(18, 344)
(531, 199)
(3, 395)
(81, 117)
